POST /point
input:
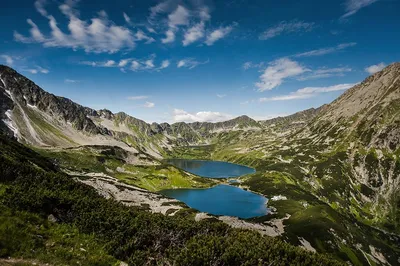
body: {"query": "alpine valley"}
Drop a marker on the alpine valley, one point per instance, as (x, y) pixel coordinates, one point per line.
(79, 185)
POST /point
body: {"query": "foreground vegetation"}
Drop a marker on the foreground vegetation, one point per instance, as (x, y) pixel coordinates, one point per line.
(85, 227)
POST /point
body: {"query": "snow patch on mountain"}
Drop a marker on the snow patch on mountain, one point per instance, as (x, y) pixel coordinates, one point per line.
(10, 124)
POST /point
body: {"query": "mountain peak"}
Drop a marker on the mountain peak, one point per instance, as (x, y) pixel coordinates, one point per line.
(244, 117)
(377, 89)
(4, 67)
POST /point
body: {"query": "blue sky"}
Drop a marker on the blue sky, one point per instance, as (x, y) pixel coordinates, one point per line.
(199, 60)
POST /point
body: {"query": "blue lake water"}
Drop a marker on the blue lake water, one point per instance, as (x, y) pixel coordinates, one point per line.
(221, 199)
(211, 169)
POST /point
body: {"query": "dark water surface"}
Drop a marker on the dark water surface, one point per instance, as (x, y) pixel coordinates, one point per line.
(221, 199)
(211, 169)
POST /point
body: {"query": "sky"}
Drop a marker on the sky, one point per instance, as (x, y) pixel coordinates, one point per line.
(199, 60)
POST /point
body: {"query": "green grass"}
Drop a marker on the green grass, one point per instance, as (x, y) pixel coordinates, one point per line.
(27, 236)
(193, 152)
(155, 178)
(46, 129)
(150, 177)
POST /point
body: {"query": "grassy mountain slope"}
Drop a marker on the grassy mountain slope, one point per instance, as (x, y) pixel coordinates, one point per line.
(88, 229)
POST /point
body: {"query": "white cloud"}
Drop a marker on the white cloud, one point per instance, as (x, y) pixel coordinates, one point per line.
(147, 64)
(149, 105)
(327, 50)
(375, 68)
(140, 35)
(204, 116)
(109, 63)
(189, 19)
(197, 31)
(162, 7)
(135, 65)
(204, 14)
(32, 71)
(164, 64)
(127, 18)
(97, 35)
(193, 34)
(326, 73)
(190, 63)
(39, 5)
(35, 32)
(218, 34)
(353, 6)
(123, 62)
(42, 70)
(37, 70)
(179, 17)
(71, 81)
(9, 60)
(136, 98)
(169, 36)
(277, 72)
(249, 64)
(221, 95)
(286, 27)
(150, 29)
(308, 92)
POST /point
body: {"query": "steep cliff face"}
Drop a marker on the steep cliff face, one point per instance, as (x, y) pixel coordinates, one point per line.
(26, 93)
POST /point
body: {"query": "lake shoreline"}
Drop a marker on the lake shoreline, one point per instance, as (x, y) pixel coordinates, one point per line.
(224, 199)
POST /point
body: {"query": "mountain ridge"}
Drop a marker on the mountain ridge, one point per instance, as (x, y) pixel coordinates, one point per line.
(44, 119)
(35, 89)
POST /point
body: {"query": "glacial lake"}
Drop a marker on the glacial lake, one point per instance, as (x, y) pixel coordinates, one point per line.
(221, 199)
(211, 169)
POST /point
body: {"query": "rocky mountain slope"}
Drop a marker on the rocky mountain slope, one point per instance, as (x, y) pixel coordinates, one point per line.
(39, 118)
(364, 124)
(292, 122)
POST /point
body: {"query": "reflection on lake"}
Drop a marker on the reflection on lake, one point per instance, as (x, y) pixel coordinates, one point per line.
(222, 200)
(211, 169)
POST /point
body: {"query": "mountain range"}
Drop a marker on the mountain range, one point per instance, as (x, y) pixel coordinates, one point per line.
(39, 118)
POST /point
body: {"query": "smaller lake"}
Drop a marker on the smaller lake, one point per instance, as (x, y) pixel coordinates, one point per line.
(222, 200)
(211, 169)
